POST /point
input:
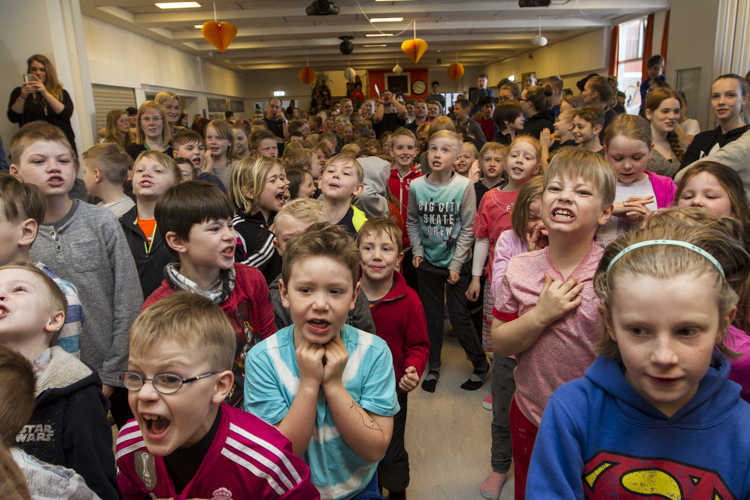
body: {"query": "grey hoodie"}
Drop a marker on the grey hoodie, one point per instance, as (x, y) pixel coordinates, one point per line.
(360, 317)
(373, 200)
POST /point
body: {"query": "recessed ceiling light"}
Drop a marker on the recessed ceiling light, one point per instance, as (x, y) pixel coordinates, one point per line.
(371, 35)
(178, 5)
(375, 45)
(386, 19)
(199, 26)
(279, 93)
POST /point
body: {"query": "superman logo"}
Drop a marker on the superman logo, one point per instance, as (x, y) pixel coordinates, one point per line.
(614, 475)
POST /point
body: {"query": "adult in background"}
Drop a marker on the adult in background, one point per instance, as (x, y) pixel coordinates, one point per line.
(42, 98)
(170, 103)
(277, 123)
(436, 95)
(389, 115)
(535, 103)
(117, 129)
(476, 95)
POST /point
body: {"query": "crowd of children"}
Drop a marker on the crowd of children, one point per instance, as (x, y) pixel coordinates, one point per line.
(253, 303)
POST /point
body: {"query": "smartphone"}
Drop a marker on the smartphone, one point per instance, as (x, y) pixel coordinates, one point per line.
(28, 77)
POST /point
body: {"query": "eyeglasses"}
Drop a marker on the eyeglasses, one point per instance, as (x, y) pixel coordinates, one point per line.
(164, 383)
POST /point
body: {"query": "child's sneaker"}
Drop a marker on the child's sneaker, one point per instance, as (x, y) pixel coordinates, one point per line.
(491, 486)
(487, 403)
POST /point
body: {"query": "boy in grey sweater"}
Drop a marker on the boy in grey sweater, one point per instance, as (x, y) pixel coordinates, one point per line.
(85, 245)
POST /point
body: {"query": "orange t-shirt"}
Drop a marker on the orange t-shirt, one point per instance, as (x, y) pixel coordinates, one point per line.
(147, 226)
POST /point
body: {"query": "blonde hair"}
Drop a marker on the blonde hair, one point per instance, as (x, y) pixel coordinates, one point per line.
(528, 194)
(191, 321)
(665, 262)
(110, 159)
(165, 96)
(348, 160)
(147, 107)
(52, 84)
(630, 126)
(381, 227)
(55, 296)
(447, 134)
(572, 163)
(162, 159)
(301, 209)
(224, 129)
(530, 140)
(495, 147)
(472, 149)
(111, 134)
(300, 158)
(250, 173)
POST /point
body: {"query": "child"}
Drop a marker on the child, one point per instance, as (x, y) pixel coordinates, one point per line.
(222, 156)
(528, 233)
(105, 170)
(69, 425)
(153, 173)
(184, 442)
(627, 145)
(258, 191)
(660, 385)
(299, 159)
(340, 182)
(189, 144)
(486, 123)
(195, 220)
(301, 184)
(330, 139)
(462, 112)
(263, 142)
(293, 219)
(241, 131)
(17, 386)
(441, 211)
(22, 207)
(404, 151)
(423, 135)
(399, 317)
(547, 309)
(84, 245)
(509, 118)
(186, 167)
(588, 123)
(494, 217)
(466, 163)
(491, 166)
(564, 128)
(718, 189)
(350, 397)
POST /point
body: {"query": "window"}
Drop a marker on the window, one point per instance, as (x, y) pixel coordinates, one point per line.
(630, 58)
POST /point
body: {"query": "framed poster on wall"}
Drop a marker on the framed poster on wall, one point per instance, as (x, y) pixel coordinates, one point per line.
(398, 83)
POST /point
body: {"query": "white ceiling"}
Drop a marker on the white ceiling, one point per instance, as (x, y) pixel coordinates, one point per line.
(278, 34)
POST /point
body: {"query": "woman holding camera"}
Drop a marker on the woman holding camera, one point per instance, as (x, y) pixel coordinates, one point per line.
(41, 97)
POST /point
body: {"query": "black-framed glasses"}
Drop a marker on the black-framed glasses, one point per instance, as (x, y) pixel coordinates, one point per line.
(164, 383)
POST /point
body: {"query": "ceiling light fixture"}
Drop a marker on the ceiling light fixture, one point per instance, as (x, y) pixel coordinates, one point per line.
(386, 19)
(393, 0)
(375, 45)
(199, 26)
(372, 35)
(178, 5)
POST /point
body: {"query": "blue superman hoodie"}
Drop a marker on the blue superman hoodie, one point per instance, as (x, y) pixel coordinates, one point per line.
(600, 439)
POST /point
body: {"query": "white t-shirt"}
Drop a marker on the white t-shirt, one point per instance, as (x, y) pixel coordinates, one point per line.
(617, 227)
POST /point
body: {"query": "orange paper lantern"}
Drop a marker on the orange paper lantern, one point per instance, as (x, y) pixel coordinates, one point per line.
(414, 48)
(307, 75)
(220, 35)
(455, 71)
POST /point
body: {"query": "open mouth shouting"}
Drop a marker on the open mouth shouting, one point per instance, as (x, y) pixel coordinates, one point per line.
(154, 426)
(562, 215)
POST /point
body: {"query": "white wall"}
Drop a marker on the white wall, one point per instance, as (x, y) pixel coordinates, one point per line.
(25, 32)
(123, 59)
(571, 59)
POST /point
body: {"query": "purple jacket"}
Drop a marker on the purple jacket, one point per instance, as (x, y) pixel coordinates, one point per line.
(664, 189)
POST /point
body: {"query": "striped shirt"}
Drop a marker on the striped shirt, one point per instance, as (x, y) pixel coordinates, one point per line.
(247, 459)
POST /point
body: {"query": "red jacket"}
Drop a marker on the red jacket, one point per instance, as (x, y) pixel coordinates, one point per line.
(488, 127)
(400, 321)
(399, 186)
(249, 310)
